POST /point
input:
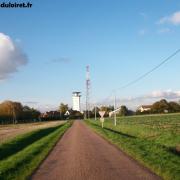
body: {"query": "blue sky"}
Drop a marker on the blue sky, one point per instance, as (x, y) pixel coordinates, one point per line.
(120, 40)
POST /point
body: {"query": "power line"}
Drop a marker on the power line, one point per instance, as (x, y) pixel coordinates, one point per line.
(150, 71)
(145, 74)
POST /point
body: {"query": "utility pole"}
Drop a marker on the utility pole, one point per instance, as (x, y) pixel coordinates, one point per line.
(14, 114)
(95, 111)
(114, 109)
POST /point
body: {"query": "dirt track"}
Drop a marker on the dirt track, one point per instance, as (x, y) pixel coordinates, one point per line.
(83, 155)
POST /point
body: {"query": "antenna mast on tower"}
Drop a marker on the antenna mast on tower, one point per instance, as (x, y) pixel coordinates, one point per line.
(87, 92)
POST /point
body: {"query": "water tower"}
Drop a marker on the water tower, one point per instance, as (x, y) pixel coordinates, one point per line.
(76, 101)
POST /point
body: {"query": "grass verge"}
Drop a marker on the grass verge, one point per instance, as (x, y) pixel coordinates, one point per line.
(152, 154)
(20, 142)
(25, 160)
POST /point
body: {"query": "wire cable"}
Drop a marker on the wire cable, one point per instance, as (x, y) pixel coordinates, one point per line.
(150, 71)
(145, 74)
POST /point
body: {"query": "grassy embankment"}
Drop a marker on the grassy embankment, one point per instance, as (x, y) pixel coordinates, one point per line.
(10, 131)
(20, 156)
(152, 140)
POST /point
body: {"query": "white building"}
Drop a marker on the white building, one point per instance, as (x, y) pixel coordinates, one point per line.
(114, 112)
(145, 108)
(76, 101)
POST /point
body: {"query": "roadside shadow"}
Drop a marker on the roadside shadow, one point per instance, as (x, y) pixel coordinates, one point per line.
(121, 133)
(17, 144)
(116, 132)
(172, 150)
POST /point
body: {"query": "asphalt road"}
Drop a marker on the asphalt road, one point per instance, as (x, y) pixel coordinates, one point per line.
(83, 155)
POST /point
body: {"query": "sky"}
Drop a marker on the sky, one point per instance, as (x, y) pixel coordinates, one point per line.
(44, 51)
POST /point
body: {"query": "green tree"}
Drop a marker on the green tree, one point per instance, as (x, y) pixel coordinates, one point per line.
(75, 115)
(124, 111)
(10, 111)
(63, 108)
(97, 112)
(107, 109)
(29, 114)
(174, 107)
(160, 106)
(17, 110)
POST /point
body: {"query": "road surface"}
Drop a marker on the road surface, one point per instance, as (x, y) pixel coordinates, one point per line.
(83, 155)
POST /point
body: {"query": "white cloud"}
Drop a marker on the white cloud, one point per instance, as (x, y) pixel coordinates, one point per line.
(154, 96)
(142, 32)
(47, 107)
(169, 94)
(164, 30)
(144, 15)
(11, 57)
(30, 102)
(42, 107)
(134, 102)
(172, 19)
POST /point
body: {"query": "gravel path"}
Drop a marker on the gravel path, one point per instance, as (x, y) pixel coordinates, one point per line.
(83, 155)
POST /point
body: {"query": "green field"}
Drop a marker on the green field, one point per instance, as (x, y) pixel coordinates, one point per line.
(152, 140)
(20, 156)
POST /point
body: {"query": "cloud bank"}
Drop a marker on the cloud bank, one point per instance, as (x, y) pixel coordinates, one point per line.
(42, 107)
(142, 32)
(134, 102)
(11, 57)
(164, 30)
(169, 94)
(172, 19)
(151, 98)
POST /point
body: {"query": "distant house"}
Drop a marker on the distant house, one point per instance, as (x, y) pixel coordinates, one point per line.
(44, 115)
(114, 112)
(67, 113)
(50, 114)
(144, 108)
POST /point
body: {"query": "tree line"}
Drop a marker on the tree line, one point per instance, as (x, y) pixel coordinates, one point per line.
(63, 113)
(14, 112)
(162, 106)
